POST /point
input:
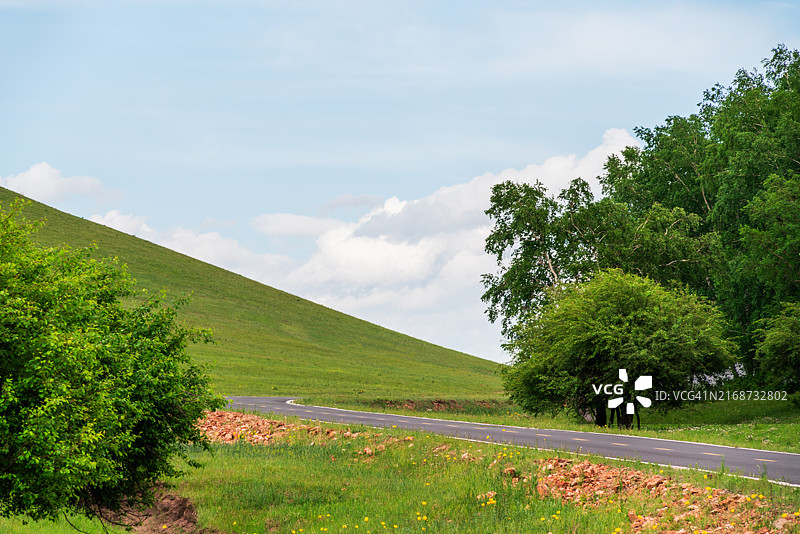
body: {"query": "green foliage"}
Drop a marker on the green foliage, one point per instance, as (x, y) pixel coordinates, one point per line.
(710, 202)
(529, 228)
(96, 398)
(541, 242)
(734, 165)
(588, 331)
(772, 238)
(779, 348)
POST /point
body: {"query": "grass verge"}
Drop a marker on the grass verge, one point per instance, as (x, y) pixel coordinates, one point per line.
(297, 477)
(334, 478)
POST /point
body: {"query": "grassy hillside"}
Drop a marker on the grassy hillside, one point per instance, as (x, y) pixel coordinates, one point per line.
(271, 342)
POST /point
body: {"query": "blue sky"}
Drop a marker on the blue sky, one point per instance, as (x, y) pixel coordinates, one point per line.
(344, 150)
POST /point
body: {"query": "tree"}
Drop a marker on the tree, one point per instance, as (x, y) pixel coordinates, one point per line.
(529, 243)
(732, 165)
(771, 240)
(97, 393)
(778, 350)
(541, 242)
(588, 331)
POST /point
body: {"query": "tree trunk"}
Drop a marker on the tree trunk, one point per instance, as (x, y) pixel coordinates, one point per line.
(600, 412)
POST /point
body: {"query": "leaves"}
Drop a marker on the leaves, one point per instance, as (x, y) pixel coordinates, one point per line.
(95, 396)
(588, 331)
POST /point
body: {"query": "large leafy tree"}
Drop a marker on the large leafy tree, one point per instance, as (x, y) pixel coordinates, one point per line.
(97, 393)
(541, 242)
(734, 165)
(588, 331)
(779, 350)
(709, 202)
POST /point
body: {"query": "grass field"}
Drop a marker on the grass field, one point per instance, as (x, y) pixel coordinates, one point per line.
(271, 342)
(355, 479)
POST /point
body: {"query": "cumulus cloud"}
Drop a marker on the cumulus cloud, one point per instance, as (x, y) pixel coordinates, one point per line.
(211, 247)
(416, 265)
(228, 253)
(46, 184)
(129, 224)
(462, 206)
(410, 265)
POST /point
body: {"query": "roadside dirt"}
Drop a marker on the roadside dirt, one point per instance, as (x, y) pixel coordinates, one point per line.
(170, 514)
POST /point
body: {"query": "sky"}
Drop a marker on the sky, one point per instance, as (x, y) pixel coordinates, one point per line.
(344, 151)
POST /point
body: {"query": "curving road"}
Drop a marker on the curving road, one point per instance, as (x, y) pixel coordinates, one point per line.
(782, 467)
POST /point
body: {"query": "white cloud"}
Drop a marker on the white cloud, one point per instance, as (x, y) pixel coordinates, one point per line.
(227, 253)
(129, 224)
(45, 184)
(416, 265)
(410, 265)
(210, 247)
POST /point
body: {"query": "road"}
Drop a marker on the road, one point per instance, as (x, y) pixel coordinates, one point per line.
(779, 466)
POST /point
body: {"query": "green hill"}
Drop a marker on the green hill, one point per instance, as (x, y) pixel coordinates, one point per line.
(269, 342)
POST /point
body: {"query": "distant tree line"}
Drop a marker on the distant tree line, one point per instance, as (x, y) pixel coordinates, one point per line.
(709, 205)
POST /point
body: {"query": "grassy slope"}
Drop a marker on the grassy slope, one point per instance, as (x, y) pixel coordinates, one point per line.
(271, 342)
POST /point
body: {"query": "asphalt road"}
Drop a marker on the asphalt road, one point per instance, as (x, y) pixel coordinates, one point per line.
(779, 466)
